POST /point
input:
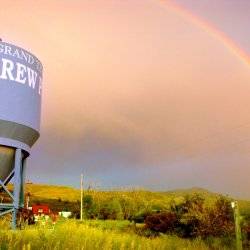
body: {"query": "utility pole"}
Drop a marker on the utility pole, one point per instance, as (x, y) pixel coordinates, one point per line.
(27, 200)
(81, 212)
(235, 207)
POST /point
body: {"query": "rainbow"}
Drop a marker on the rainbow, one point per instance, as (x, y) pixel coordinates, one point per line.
(209, 28)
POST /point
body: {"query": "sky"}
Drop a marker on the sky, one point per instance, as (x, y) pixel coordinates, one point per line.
(139, 93)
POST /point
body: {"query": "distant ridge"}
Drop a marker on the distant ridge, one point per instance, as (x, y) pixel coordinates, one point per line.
(192, 190)
(58, 195)
(42, 189)
(45, 191)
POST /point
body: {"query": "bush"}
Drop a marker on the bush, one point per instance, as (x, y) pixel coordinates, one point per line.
(111, 210)
(191, 219)
(219, 220)
(162, 222)
(141, 216)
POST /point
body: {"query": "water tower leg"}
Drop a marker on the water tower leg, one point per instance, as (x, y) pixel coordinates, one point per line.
(18, 185)
(23, 174)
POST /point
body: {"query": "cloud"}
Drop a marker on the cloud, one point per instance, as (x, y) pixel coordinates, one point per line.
(131, 89)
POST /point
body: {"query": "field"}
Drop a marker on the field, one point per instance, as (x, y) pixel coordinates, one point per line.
(92, 235)
(112, 220)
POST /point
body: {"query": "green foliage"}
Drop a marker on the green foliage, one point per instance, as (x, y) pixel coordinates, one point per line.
(192, 219)
(141, 215)
(219, 219)
(89, 207)
(191, 214)
(111, 210)
(131, 201)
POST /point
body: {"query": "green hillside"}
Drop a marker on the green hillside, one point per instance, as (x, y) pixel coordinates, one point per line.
(61, 197)
(72, 194)
(52, 192)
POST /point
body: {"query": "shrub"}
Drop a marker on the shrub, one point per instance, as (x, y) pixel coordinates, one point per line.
(141, 216)
(192, 219)
(162, 222)
(219, 220)
(110, 210)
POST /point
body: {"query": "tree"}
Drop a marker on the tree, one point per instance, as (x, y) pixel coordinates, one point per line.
(89, 207)
(111, 210)
(220, 219)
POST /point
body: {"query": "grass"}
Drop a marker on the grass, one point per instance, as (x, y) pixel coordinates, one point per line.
(91, 235)
(107, 235)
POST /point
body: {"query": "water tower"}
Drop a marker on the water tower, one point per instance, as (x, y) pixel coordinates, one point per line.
(20, 109)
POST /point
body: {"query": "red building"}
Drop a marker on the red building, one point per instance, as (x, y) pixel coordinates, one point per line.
(40, 209)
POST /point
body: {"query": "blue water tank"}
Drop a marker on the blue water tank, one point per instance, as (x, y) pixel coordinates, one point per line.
(20, 103)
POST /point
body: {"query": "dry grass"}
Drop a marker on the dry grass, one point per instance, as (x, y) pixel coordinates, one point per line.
(75, 235)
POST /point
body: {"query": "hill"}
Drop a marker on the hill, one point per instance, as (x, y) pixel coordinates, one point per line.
(72, 194)
(40, 191)
(68, 198)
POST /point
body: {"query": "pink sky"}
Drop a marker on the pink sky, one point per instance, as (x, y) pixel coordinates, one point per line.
(135, 94)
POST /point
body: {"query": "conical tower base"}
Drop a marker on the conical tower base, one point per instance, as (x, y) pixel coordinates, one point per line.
(7, 156)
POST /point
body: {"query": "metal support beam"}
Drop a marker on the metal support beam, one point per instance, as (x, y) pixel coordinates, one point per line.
(17, 174)
(6, 181)
(6, 212)
(23, 174)
(9, 177)
(6, 205)
(17, 185)
(6, 190)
